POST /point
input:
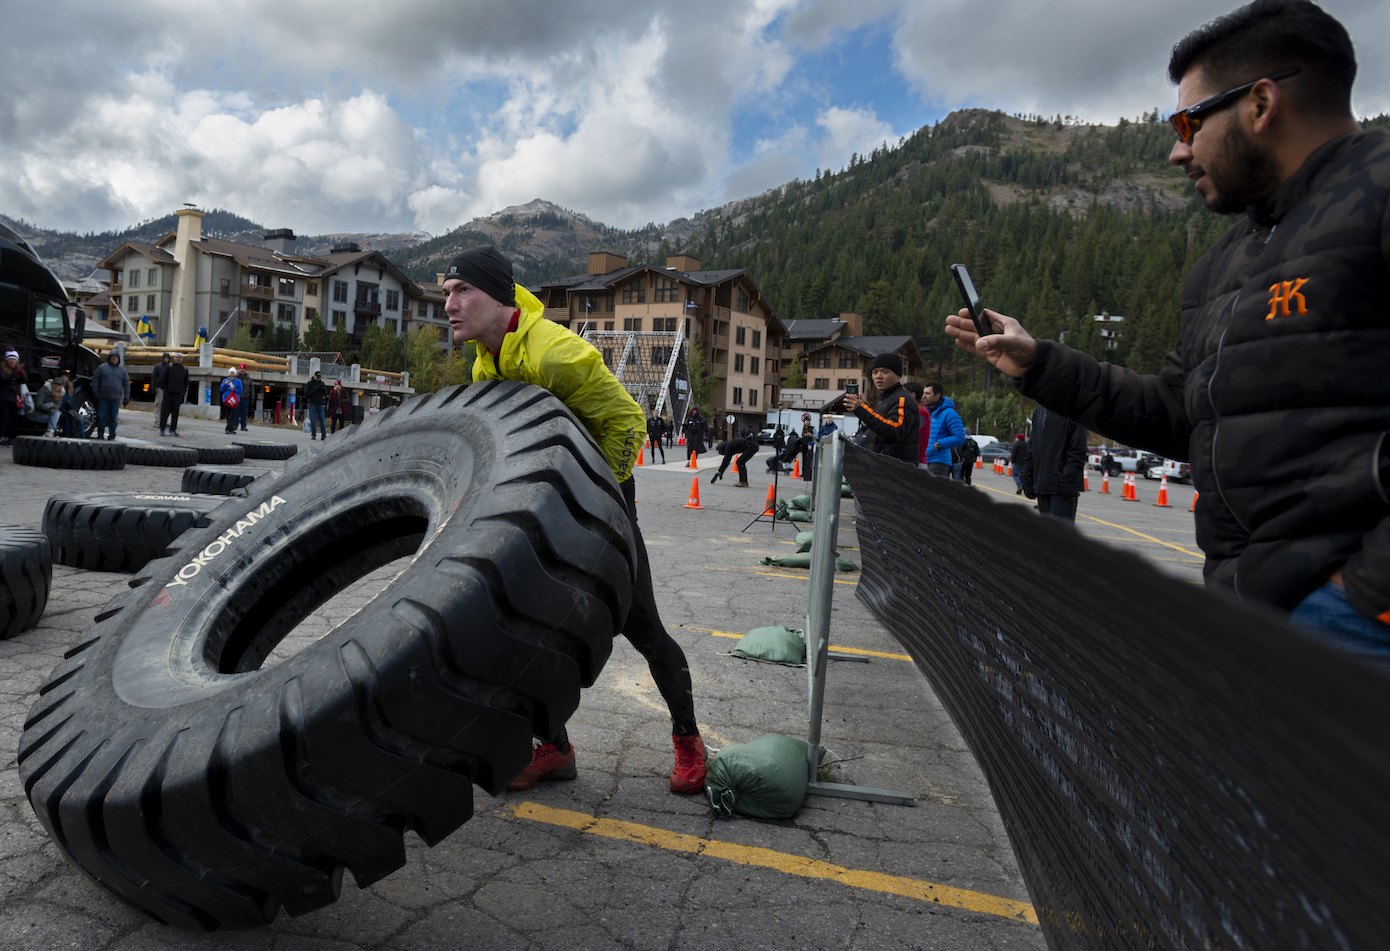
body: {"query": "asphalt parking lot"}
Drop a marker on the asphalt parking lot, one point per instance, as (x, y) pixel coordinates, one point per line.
(613, 859)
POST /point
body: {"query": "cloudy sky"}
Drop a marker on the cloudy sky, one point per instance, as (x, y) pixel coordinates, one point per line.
(421, 114)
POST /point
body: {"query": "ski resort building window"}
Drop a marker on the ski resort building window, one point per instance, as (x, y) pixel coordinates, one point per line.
(635, 293)
(226, 290)
(340, 290)
(822, 383)
(820, 361)
(741, 302)
(632, 323)
(757, 340)
(152, 278)
(740, 336)
(738, 396)
(393, 300)
(286, 313)
(149, 303)
(135, 277)
(753, 365)
(667, 290)
(284, 287)
(752, 397)
(738, 363)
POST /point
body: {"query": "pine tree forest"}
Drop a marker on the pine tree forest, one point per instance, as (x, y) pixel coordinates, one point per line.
(879, 237)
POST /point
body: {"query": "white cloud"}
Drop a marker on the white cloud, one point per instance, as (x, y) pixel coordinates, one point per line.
(848, 131)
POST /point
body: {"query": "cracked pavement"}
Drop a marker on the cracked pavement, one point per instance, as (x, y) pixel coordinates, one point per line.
(509, 880)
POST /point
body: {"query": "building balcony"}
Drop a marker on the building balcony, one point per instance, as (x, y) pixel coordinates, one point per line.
(561, 315)
(719, 370)
(257, 292)
(720, 341)
(366, 307)
(773, 376)
(772, 354)
(719, 313)
(254, 317)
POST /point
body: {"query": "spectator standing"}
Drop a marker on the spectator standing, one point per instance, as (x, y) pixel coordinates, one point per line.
(969, 452)
(694, 432)
(923, 414)
(947, 431)
(231, 399)
(893, 424)
(247, 397)
(11, 375)
(779, 441)
(654, 430)
(1056, 464)
(339, 405)
(1019, 460)
(315, 398)
(745, 448)
(111, 390)
(175, 392)
(159, 380)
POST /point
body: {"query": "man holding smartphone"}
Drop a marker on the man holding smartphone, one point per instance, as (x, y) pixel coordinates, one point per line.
(1276, 390)
(893, 423)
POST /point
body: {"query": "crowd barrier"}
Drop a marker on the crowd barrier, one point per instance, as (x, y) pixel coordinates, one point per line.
(1174, 770)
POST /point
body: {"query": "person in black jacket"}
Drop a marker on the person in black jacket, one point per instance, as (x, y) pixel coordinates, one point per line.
(655, 428)
(969, 452)
(315, 399)
(175, 392)
(159, 379)
(1055, 464)
(893, 424)
(745, 447)
(1276, 390)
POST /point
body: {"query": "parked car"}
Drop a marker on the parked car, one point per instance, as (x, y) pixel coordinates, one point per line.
(767, 434)
(1124, 460)
(1174, 470)
(994, 451)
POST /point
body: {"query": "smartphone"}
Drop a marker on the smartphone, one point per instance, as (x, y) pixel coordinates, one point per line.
(852, 388)
(972, 299)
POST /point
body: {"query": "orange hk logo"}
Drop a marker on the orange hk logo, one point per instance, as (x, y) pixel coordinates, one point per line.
(1284, 296)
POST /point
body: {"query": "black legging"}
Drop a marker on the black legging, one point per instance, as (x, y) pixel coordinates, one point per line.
(740, 464)
(644, 631)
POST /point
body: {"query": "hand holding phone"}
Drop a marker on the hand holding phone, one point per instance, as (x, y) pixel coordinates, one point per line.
(972, 299)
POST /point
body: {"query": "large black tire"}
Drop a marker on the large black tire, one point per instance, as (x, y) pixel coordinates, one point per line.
(208, 792)
(267, 450)
(171, 456)
(211, 480)
(26, 575)
(120, 531)
(220, 455)
(68, 453)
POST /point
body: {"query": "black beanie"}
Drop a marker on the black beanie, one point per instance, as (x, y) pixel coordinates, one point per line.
(487, 269)
(889, 361)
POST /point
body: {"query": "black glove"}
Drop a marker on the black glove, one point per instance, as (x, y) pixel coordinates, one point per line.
(125, 402)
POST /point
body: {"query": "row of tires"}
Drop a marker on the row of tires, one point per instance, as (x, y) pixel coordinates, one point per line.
(100, 454)
(184, 778)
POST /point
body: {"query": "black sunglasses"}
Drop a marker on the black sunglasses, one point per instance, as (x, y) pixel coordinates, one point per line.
(1187, 121)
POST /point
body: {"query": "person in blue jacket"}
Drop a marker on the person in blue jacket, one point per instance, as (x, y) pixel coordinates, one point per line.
(232, 385)
(947, 431)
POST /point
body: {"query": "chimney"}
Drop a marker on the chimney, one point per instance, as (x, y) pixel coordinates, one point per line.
(855, 324)
(280, 240)
(182, 316)
(439, 277)
(683, 262)
(345, 247)
(605, 262)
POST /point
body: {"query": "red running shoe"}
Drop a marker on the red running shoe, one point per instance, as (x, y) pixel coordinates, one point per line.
(689, 774)
(549, 765)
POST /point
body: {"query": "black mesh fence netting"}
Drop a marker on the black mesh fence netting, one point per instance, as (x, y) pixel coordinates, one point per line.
(1174, 770)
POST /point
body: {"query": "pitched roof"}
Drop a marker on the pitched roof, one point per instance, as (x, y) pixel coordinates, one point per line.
(872, 346)
(248, 255)
(813, 329)
(805, 399)
(158, 255)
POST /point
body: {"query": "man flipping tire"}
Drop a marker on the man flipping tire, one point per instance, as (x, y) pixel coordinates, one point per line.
(514, 341)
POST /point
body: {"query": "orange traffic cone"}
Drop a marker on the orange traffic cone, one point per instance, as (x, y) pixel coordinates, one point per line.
(694, 502)
(1163, 494)
(1133, 489)
(1194, 501)
(979, 463)
(796, 468)
(1010, 473)
(681, 441)
(640, 451)
(1085, 481)
(1105, 483)
(691, 464)
(771, 507)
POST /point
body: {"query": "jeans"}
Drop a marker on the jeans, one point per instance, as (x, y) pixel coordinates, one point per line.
(242, 408)
(942, 470)
(107, 411)
(1328, 617)
(71, 421)
(316, 419)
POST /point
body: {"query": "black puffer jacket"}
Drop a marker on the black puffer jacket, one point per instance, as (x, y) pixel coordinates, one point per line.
(1277, 391)
(1056, 458)
(892, 425)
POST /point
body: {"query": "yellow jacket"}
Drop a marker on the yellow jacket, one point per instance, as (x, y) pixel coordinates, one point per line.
(547, 355)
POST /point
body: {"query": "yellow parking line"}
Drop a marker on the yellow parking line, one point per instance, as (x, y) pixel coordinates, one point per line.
(1123, 528)
(778, 861)
(835, 647)
(773, 574)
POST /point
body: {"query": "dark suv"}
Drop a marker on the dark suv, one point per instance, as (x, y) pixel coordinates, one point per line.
(38, 322)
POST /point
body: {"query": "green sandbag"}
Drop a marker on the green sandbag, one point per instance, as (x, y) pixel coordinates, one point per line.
(845, 492)
(802, 502)
(773, 645)
(803, 541)
(804, 561)
(764, 779)
(796, 515)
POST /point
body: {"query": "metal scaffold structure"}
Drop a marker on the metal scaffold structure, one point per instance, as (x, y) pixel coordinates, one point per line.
(651, 365)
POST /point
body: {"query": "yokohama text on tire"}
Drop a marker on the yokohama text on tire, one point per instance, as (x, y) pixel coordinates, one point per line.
(209, 792)
(26, 575)
(120, 531)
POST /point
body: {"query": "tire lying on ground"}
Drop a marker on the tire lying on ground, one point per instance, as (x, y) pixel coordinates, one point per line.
(220, 455)
(214, 480)
(267, 450)
(68, 453)
(160, 456)
(209, 792)
(120, 531)
(26, 575)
